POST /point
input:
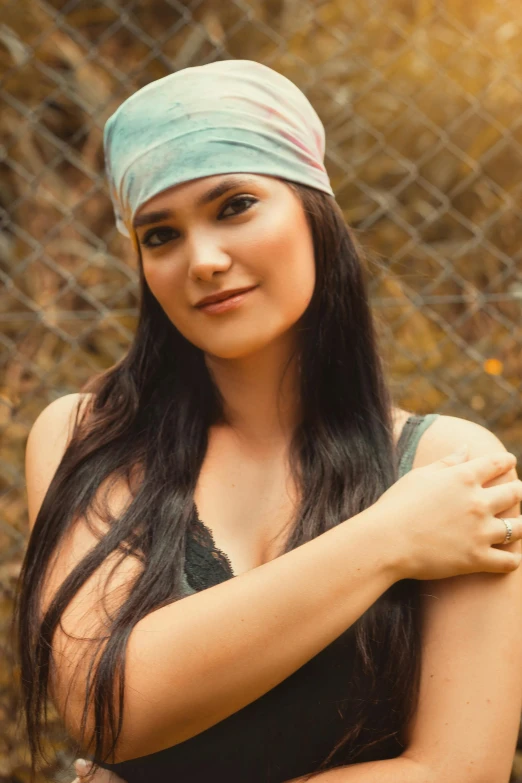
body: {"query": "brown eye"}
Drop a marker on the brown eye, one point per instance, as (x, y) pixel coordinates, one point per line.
(238, 200)
(146, 241)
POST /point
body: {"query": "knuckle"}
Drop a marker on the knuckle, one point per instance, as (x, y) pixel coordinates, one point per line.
(477, 507)
(475, 560)
(475, 548)
(467, 475)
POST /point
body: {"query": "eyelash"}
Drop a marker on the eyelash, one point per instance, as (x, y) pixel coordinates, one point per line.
(146, 239)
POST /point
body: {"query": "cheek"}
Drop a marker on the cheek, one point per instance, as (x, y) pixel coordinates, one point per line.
(292, 291)
(160, 277)
(278, 253)
(167, 288)
(292, 277)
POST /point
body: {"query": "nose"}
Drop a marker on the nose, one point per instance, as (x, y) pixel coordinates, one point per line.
(205, 257)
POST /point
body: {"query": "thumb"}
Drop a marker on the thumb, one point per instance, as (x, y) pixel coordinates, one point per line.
(460, 454)
(82, 767)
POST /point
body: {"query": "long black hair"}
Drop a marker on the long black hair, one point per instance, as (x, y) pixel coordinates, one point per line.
(151, 413)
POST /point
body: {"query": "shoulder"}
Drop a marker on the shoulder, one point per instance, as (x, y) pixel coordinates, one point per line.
(446, 433)
(471, 646)
(53, 425)
(47, 441)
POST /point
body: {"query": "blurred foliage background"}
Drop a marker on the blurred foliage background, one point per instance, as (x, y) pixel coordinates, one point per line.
(421, 101)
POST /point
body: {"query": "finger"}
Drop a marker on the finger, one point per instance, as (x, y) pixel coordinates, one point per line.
(492, 465)
(504, 496)
(82, 768)
(461, 454)
(498, 531)
(502, 562)
(100, 776)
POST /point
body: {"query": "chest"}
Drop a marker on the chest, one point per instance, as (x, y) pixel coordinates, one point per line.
(248, 502)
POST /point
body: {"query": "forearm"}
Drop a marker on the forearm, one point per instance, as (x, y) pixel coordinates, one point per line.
(194, 662)
(398, 770)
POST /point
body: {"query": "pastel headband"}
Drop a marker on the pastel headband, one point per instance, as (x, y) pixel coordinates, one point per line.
(223, 117)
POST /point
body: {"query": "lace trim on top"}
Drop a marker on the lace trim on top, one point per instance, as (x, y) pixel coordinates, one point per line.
(207, 565)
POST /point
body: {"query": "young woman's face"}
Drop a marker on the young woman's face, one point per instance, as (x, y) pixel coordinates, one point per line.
(252, 233)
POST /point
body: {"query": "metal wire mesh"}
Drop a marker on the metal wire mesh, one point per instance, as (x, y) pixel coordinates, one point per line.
(421, 105)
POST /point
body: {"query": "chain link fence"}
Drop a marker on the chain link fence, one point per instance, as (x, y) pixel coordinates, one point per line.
(421, 104)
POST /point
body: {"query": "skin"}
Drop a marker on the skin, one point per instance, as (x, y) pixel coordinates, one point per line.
(255, 233)
(471, 692)
(261, 239)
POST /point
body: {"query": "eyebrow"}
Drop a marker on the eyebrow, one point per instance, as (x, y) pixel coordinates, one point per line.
(211, 195)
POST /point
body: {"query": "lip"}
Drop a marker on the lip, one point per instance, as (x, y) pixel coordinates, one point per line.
(222, 295)
(227, 304)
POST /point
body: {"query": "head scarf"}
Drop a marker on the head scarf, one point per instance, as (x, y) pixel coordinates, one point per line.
(223, 117)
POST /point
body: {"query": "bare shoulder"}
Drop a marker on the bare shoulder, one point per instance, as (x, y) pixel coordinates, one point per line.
(446, 433)
(471, 679)
(58, 417)
(47, 441)
(93, 605)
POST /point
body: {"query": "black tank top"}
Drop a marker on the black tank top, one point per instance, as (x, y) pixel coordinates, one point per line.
(291, 729)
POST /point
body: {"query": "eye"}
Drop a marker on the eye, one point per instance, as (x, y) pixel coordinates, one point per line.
(146, 241)
(237, 200)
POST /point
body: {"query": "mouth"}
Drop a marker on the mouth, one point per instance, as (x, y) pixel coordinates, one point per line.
(231, 302)
(224, 297)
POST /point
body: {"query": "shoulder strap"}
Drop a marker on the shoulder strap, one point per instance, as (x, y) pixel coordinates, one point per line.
(186, 586)
(411, 433)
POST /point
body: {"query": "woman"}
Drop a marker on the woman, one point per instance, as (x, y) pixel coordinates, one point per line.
(226, 551)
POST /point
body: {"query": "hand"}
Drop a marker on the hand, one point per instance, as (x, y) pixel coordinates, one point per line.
(441, 519)
(100, 776)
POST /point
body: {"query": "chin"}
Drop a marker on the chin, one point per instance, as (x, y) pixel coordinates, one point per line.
(234, 341)
(239, 348)
(231, 353)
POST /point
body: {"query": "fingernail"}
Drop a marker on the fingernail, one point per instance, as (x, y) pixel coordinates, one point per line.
(83, 766)
(461, 449)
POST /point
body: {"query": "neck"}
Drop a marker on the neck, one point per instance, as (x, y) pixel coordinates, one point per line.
(261, 395)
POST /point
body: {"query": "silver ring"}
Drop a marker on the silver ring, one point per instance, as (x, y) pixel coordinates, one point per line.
(509, 530)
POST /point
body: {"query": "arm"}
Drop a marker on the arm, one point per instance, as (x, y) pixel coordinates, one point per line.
(466, 725)
(196, 661)
(398, 770)
(465, 728)
(390, 771)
